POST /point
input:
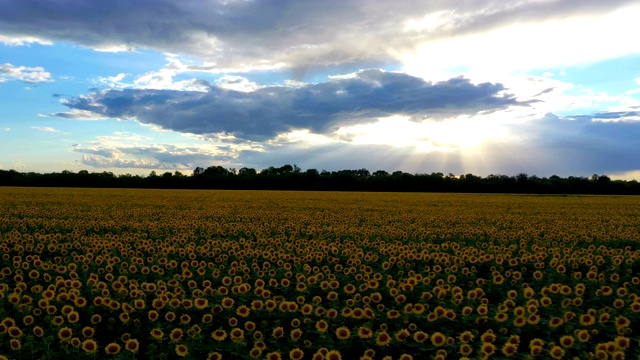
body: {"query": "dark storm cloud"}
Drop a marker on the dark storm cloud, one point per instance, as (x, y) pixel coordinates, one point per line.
(271, 110)
(299, 34)
(570, 146)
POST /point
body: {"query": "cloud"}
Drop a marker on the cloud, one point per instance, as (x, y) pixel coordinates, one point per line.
(609, 116)
(271, 34)
(45, 129)
(543, 147)
(23, 73)
(6, 129)
(550, 145)
(76, 114)
(17, 40)
(568, 146)
(270, 110)
(113, 81)
(103, 154)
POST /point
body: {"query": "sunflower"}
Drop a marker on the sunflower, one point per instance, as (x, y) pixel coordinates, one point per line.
(343, 333)
(274, 356)
(132, 345)
(243, 311)
(254, 353)
(364, 332)
(57, 321)
(622, 322)
(488, 337)
(96, 319)
(15, 344)
(112, 349)
(333, 355)
(296, 354)
(622, 343)
(200, 303)
(488, 348)
(583, 335)
(124, 317)
(587, 320)
(383, 339)
(501, 317)
(65, 333)
(322, 326)
(567, 341)
(270, 304)
(139, 304)
(227, 303)
(176, 334)
(157, 334)
(90, 346)
(420, 336)
(257, 305)
(181, 350)
(509, 349)
(28, 320)
(219, 335)
(519, 321)
(278, 332)
(157, 304)
(185, 319)
(535, 350)
(14, 332)
(296, 334)
(556, 352)
(555, 322)
(466, 336)
(237, 335)
(306, 309)
(170, 316)
(88, 332)
(37, 331)
(402, 334)
(438, 339)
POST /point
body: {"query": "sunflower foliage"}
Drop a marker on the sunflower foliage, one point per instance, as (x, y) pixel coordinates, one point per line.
(157, 274)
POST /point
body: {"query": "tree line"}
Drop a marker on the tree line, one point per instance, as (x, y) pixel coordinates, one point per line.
(291, 177)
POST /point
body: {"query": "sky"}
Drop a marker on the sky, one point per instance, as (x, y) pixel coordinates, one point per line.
(543, 87)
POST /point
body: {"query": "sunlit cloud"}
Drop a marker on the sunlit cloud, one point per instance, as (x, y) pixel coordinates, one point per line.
(23, 73)
(17, 40)
(524, 45)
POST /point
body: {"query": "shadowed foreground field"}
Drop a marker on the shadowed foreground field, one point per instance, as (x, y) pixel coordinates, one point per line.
(153, 274)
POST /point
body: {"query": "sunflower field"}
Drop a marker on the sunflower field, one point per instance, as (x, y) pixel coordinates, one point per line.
(166, 274)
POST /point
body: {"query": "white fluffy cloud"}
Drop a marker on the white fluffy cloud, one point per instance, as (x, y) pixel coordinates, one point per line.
(23, 73)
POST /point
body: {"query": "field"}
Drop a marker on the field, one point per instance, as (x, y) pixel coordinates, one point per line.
(154, 274)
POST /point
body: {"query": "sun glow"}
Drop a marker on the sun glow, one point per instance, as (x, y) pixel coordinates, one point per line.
(460, 134)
